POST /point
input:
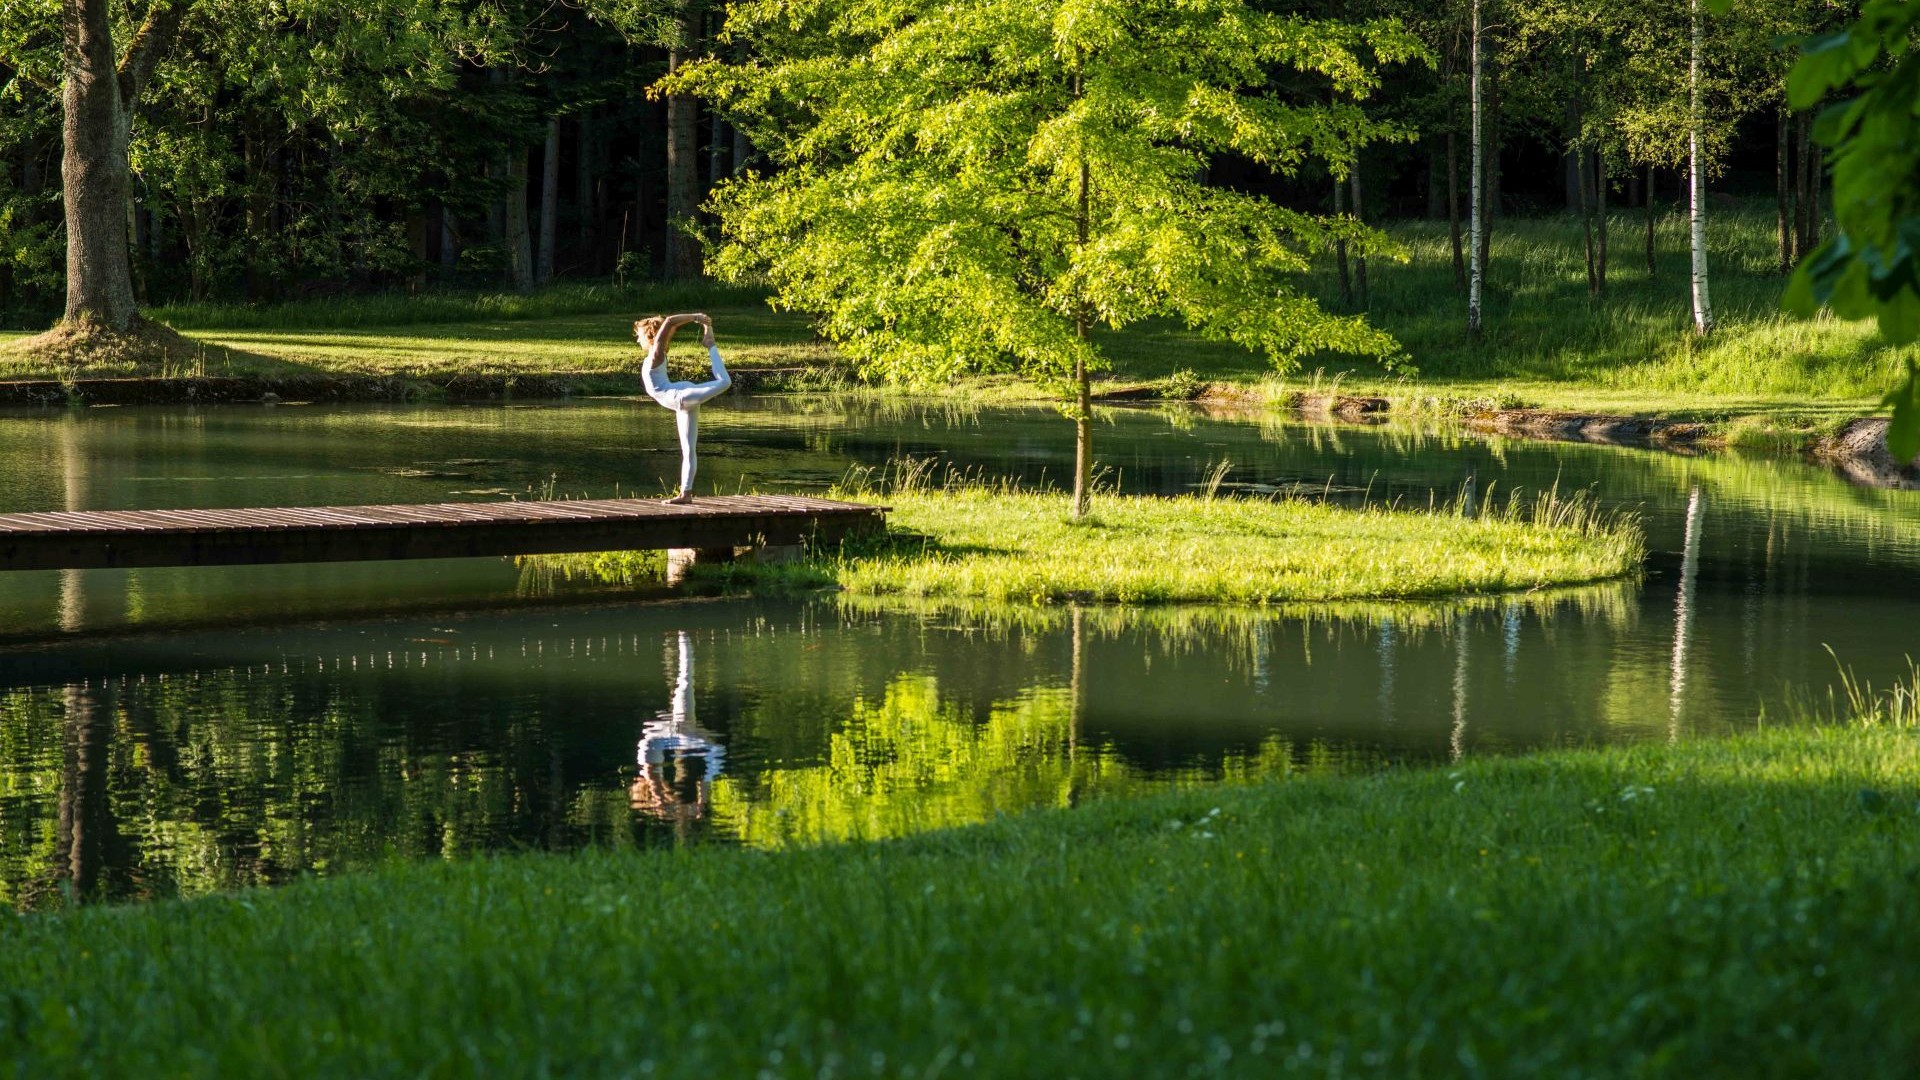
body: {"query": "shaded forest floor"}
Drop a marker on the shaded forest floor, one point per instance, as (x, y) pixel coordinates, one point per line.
(1738, 906)
(1764, 375)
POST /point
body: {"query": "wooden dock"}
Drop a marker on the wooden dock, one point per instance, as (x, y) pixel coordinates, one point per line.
(93, 539)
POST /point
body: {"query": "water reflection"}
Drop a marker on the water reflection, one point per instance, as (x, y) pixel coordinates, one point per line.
(226, 758)
(171, 731)
(678, 760)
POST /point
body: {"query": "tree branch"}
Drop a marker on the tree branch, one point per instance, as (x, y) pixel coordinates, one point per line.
(9, 71)
(150, 43)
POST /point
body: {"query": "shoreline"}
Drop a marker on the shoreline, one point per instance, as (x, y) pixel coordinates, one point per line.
(1857, 449)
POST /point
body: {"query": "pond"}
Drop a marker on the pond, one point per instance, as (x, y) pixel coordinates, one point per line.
(169, 732)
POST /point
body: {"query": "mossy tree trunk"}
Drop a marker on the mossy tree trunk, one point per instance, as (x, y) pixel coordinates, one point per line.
(97, 101)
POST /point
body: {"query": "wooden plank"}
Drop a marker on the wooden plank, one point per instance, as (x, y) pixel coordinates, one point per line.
(265, 535)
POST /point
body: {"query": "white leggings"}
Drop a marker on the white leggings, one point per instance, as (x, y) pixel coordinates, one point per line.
(685, 399)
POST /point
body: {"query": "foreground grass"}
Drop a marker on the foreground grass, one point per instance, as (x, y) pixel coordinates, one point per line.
(976, 542)
(1739, 907)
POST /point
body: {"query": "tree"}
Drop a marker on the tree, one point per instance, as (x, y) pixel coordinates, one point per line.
(100, 92)
(1697, 180)
(978, 184)
(1870, 267)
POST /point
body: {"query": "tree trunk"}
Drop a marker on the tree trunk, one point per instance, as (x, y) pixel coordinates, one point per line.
(1083, 389)
(1651, 266)
(1782, 195)
(742, 150)
(716, 149)
(449, 240)
(1801, 185)
(1600, 221)
(1573, 163)
(1697, 184)
(97, 124)
(1477, 273)
(683, 162)
(500, 168)
(1585, 203)
(1436, 183)
(1816, 171)
(1453, 213)
(519, 235)
(1340, 246)
(549, 203)
(1359, 257)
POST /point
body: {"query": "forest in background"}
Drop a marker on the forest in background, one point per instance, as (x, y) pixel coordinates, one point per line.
(295, 150)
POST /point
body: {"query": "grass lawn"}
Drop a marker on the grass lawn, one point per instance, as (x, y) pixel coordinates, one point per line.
(1739, 907)
(971, 542)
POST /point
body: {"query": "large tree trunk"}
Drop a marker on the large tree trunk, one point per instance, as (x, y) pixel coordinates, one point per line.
(1477, 211)
(97, 125)
(549, 203)
(1697, 184)
(519, 234)
(683, 162)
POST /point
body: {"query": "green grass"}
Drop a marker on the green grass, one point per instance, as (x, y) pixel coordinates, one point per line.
(979, 542)
(1739, 907)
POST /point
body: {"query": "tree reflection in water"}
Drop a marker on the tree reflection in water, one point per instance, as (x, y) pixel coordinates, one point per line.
(138, 768)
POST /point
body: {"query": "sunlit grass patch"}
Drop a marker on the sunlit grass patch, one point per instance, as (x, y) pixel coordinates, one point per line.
(997, 543)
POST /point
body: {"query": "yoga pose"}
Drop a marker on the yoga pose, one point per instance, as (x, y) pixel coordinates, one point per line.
(684, 398)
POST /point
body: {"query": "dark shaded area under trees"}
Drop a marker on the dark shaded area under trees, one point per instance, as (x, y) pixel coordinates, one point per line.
(260, 173)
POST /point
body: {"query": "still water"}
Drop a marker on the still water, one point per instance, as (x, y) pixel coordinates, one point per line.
(168, 732)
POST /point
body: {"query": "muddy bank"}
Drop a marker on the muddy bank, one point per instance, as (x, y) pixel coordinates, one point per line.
(1859, 453)
(290, 388)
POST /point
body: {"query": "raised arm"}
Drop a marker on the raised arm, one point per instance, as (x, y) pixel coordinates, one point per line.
(664, 337)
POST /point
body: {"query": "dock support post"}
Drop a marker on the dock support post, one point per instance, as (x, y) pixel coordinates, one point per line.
(681, 560)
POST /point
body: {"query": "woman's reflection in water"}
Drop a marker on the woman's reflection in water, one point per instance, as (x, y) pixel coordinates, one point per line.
(679, 760)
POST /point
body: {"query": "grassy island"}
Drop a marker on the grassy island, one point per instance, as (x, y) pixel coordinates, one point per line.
(1734, 907)
(980, 543)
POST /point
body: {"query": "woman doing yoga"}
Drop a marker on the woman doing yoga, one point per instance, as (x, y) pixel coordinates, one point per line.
(684, 398)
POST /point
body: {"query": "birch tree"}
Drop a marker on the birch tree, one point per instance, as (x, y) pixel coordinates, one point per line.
(1697, 180)
(979, 184)
(1477, 174)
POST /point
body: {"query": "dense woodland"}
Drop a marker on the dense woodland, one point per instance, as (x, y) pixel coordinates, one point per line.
(292, 149)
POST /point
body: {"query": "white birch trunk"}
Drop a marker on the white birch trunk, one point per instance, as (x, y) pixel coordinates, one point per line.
(1476, 271)
(1697, 187)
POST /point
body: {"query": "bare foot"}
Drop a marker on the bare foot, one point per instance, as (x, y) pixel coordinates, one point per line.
(681, 499)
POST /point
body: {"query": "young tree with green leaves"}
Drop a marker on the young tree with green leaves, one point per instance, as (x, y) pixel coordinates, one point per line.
(978, 184)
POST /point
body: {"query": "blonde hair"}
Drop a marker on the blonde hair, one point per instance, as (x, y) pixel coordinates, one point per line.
(650, 327)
